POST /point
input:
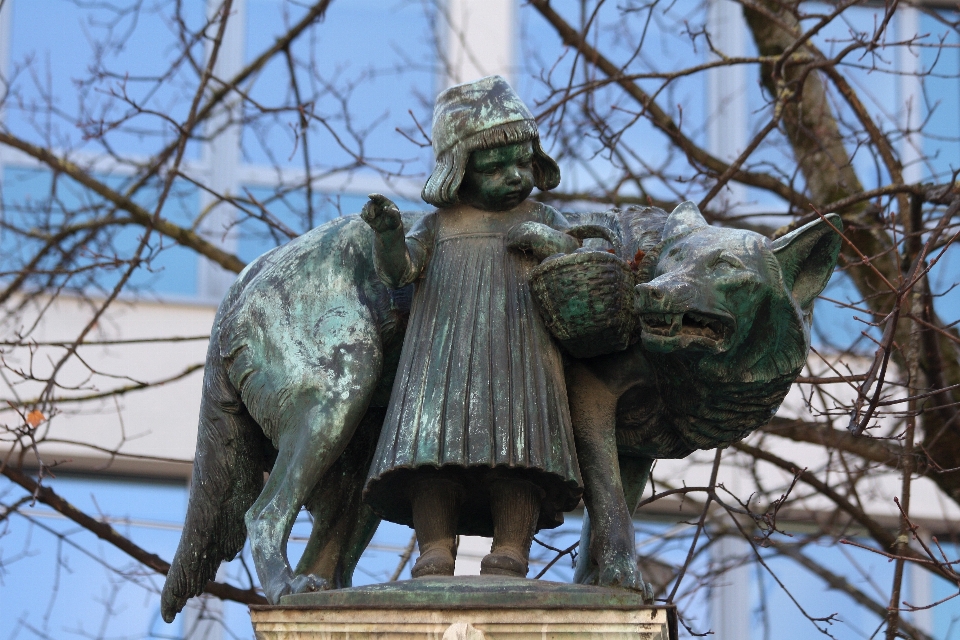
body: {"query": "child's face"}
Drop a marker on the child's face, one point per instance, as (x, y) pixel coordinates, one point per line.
(498, 179)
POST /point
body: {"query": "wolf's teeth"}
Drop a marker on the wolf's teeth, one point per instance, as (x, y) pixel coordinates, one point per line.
(690, 323)
(676, 324)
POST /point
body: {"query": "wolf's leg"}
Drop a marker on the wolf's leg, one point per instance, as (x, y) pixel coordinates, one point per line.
(316, 413)
(304, 455)
(634, 473)
(335, 547)
(364, 526)
(342, 524)
(609, 542)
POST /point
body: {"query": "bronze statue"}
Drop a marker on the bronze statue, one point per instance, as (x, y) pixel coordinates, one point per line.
(477, 438)
(306, 345)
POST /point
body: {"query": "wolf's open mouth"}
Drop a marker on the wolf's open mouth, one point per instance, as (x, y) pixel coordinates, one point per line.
(690, 325)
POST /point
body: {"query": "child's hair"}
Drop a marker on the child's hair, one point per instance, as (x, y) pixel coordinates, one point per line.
(476, 116)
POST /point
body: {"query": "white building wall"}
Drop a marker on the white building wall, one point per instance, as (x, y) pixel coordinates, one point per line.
(479, 38)
(221, 155)
(160, 423)
(911, 94)
(727, 93)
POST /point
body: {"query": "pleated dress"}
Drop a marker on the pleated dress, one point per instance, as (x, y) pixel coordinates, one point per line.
(480, 387)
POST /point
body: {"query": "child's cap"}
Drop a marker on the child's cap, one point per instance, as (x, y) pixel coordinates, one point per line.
(483, 114)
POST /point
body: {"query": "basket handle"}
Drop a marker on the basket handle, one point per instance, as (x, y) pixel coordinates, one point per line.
(584, 231)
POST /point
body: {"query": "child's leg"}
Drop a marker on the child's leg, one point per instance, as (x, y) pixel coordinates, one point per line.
(515, 506)
(436, 508)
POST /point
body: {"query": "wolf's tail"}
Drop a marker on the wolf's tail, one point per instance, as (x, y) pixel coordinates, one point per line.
(227, 478)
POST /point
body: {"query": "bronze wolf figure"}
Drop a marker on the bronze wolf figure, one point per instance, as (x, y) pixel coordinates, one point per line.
(724, 319)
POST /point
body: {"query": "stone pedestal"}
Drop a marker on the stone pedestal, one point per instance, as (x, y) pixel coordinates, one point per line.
(465, 608)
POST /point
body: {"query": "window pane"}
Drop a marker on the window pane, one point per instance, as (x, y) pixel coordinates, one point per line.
(358, 73)
(941, 95)
(86, 72)
(91, 259)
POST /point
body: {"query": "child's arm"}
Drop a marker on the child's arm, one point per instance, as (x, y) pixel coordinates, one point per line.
(540, 240)
(398, 260)
(545, 238)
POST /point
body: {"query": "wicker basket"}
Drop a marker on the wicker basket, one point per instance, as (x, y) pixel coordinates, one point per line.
(586, 299)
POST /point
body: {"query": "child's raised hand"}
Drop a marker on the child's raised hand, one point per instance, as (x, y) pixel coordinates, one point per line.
(381, 213)
(541, 240)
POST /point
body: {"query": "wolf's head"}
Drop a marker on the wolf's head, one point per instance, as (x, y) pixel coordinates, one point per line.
(733, 300)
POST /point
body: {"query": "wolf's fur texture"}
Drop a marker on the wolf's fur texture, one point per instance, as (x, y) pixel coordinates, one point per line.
(724, 331)
(303, 353)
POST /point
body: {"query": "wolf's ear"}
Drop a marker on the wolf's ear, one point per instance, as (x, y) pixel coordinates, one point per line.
(807, 257)
(686, 217)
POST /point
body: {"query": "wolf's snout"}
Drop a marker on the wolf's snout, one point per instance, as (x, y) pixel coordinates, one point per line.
(652, 292)
(674, 292)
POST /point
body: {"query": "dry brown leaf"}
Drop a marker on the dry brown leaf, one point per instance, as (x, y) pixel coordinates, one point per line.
(35, 417)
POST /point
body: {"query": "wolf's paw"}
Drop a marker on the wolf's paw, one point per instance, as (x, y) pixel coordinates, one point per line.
(624, 574)
(307, 582)
(288, 584)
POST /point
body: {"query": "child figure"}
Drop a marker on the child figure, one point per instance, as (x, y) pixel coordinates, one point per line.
(477, 438)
